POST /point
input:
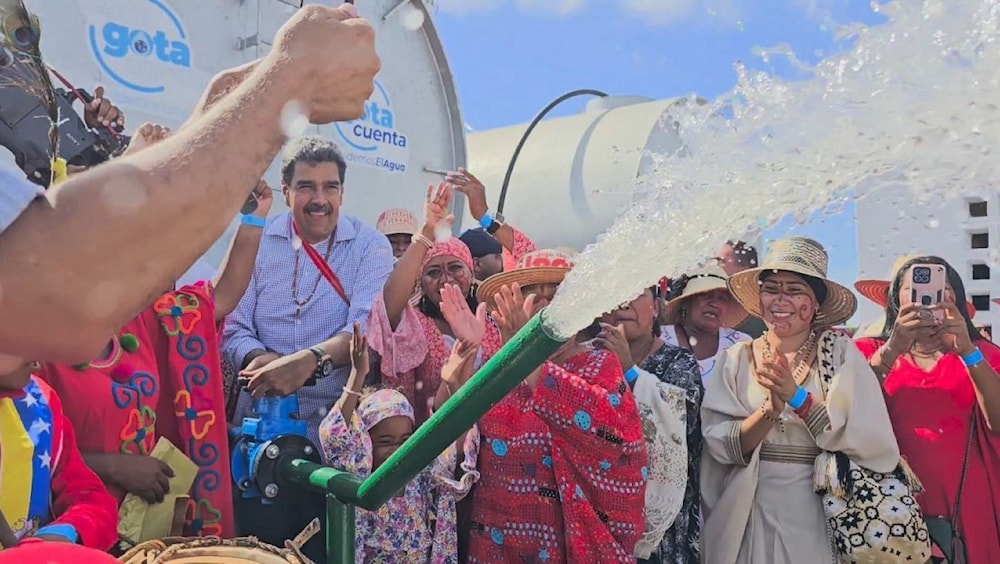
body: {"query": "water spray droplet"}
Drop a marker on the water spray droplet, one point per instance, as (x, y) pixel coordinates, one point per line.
(123, 197)
(294, 121)
(411, 18)
(933, 223)
(442, 232)
(895, 113)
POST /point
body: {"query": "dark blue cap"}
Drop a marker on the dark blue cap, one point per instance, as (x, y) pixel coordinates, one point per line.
(481, 243)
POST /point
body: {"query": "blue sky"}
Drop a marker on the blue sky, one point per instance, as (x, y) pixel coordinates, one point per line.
(511, 57)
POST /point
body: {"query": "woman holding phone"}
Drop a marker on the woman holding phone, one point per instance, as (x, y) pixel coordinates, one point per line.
(942, 391)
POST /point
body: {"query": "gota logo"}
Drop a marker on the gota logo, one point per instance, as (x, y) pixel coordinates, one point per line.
(117, 45)
(376, 128)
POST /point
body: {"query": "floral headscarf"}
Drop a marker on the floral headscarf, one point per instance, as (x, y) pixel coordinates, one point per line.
(381, 405)
(450, 246)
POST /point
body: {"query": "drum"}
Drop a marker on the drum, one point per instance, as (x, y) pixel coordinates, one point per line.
(213, 550)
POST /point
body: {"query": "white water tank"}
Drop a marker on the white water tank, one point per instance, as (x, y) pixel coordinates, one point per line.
(155, 57)
(575, 174)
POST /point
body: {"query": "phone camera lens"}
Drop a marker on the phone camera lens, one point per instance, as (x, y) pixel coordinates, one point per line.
(925, 300)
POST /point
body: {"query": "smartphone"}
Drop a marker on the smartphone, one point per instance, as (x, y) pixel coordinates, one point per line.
(928, 283)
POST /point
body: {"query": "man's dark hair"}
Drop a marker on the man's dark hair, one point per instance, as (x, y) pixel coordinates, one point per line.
(744, 254)
(312, 149)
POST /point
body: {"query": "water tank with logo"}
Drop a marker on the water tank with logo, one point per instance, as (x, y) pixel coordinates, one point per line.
(575, 174)
(155, 57)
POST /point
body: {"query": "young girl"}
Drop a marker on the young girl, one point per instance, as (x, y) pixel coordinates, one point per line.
(362, 431)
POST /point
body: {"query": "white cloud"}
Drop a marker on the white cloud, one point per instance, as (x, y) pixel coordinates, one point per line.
(653, 12)
(557, 7)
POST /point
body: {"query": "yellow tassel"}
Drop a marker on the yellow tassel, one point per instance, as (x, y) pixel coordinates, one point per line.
(58, 171)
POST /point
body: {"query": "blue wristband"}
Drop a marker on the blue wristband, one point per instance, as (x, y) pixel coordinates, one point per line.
(253, 221)
(631, 375)
(799, 398)
(486, 221)
(63, 530)
(973, 358)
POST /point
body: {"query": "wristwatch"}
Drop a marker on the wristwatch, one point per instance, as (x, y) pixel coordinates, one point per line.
(496, 224)
(324, 364)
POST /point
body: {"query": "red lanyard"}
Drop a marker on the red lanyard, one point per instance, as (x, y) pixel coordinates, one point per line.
(323, 267)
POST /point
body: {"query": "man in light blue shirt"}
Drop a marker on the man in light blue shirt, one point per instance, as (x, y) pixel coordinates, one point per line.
(293, 322)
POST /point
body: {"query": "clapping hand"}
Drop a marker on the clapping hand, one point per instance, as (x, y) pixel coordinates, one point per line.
(512, 310)
(776, 377)
(467, 327)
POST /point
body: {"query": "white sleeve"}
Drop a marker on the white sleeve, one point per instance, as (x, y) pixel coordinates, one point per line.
(16, 193)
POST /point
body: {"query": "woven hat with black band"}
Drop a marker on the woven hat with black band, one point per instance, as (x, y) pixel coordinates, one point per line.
(547, 266)
(711, 278)
(798, 255)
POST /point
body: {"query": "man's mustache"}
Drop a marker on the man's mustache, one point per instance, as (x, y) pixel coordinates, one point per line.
(316, 208)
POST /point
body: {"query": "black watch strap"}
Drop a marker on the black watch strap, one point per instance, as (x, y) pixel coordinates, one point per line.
(498, 222)
(320, 355)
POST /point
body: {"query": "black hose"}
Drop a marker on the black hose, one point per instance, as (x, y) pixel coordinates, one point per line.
(531, 127)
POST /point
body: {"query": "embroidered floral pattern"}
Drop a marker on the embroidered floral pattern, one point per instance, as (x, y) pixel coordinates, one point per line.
(178, 313)
(138, 436)
(203, 519)
(200, 421)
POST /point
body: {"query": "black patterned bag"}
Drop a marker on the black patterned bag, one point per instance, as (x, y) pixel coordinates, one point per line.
(873, 518)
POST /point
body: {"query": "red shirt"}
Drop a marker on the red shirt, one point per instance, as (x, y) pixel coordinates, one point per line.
(931, 412)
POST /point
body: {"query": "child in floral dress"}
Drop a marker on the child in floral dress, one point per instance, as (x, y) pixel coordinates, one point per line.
(362, 431)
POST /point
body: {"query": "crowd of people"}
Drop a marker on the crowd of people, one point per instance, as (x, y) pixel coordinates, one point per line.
(721, 416)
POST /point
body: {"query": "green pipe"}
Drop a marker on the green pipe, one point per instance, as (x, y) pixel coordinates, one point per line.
(344, 485)
(525, 352)
(339, 531)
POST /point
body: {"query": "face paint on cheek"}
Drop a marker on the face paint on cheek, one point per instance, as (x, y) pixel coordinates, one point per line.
(806, 312)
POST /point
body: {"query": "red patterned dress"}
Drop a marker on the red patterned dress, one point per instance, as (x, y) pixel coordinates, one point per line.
(162, 378)
(562, 469)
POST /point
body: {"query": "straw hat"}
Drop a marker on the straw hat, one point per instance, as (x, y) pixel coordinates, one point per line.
(547, 266)
(877, 291)
(708, 279)
(800, 255)
(396, 221)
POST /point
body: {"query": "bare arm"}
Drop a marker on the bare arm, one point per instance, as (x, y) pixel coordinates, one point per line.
(475, 193)
(100, 247)
(986, 382)
(755, 429)
(399, 287)
(237, 267)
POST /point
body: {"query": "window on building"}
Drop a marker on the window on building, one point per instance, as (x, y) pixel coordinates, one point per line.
(981, 301)
(980, 272)
(979, 241)
(978, 209)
